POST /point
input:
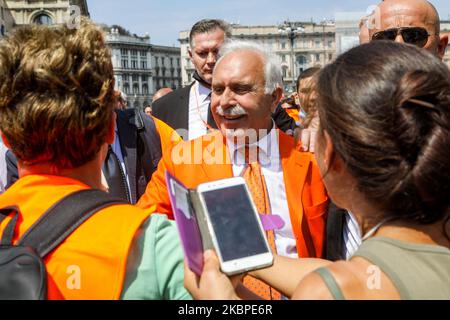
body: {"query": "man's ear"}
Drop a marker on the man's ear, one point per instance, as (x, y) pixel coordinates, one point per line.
(276, 96)
(111, 135)
(190, 52)
(5, 141)
(442, 46)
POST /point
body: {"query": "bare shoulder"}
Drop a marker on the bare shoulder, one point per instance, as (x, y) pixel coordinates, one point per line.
(314, 287)
(357, 279)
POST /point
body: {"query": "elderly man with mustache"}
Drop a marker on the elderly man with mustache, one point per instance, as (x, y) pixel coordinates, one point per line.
(246, 89)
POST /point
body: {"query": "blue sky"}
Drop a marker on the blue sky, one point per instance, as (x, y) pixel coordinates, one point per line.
(163, 19)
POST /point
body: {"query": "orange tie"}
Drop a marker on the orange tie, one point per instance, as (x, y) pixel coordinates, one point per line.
(257, 186)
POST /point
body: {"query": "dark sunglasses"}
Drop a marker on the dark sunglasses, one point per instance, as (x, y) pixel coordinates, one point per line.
(413, 35)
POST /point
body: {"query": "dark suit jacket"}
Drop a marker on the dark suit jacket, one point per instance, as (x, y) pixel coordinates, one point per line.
(141, 148)
(173, 109)
(140, 145)
(334, 248)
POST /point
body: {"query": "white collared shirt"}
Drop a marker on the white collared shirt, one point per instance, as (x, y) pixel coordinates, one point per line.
(199, 101)
(351, 234)
(269, 158)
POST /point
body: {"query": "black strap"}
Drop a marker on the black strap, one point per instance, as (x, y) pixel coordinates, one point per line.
(8, 232)
(151, 143)
(211, 122)
(114, 175)
(64, 217)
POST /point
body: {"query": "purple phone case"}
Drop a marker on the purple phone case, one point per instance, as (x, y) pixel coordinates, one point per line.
(188, 228)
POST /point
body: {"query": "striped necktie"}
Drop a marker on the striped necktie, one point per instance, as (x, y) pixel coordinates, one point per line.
(257, 187)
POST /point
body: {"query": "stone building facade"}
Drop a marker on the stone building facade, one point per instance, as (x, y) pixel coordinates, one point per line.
(141, 68)
(44, 11)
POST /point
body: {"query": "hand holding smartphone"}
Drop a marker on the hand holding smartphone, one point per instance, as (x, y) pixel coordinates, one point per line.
(222, 217)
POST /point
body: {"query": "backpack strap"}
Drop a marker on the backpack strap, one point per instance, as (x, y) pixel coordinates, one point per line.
(151, 140)
(8, 232)
(64, 217)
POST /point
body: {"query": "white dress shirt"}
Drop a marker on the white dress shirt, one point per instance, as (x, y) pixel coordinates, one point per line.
(199, 101)
(269, 158)
(351, 234)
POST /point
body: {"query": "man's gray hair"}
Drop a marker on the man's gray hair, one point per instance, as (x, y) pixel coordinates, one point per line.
(272, 73)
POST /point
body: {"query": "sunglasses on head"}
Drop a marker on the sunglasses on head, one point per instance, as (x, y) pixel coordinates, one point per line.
(413, 35)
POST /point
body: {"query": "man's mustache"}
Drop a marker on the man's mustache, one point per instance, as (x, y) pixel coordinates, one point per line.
(236, 110)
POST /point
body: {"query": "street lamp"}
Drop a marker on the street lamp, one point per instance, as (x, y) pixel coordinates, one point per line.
(291, 31)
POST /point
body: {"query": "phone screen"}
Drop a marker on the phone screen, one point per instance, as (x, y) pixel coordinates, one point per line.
(234, 223)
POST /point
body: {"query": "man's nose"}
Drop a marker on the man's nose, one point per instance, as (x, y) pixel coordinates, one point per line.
(227, 99)
(211, 58)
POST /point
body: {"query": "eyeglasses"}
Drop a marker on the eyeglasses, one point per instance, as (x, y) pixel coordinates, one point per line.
(413, 35)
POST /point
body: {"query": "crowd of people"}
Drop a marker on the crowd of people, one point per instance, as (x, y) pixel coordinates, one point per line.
(355, 162)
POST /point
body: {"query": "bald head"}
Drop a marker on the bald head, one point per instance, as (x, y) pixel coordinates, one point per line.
(161, 93)
(401, 12)
(411, 13)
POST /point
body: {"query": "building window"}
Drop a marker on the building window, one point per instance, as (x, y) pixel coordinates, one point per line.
(283, 45)
(43, 18)
(124, 63)
(302, 60)
(285, 72)
(144, 60)
(283, 58)
(2, 30)
(156, 61)
(126, 88)
(317, 57)
(178, 62)
(145, 89)
(134, 59)
(135, 88)
(171, 62)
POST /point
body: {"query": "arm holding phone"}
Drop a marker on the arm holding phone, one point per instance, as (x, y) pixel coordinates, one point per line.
(284, 275)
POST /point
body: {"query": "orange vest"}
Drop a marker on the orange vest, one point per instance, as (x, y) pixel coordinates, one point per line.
(168, 136)
(91, 262)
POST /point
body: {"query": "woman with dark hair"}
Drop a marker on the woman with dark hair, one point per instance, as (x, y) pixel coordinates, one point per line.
(383, 151)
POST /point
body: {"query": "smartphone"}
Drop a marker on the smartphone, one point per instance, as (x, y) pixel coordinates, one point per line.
(235, 227)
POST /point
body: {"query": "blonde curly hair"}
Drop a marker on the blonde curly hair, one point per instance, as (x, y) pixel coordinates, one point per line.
(56, 93)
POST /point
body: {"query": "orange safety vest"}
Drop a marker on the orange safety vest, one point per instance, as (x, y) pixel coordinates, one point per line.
(91, 262)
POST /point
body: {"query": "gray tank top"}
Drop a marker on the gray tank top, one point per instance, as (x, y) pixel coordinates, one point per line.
(418, 271)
